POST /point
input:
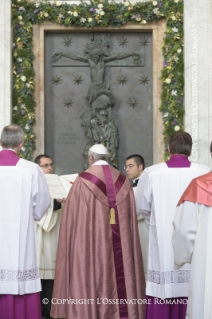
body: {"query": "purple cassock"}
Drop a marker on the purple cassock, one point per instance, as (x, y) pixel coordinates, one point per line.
(172, 308)
(25, 306)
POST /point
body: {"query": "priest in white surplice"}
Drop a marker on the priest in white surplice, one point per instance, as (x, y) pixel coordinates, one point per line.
(24, 197)
(192, 242)
(47, 234)
(158, 192)
(134, 167)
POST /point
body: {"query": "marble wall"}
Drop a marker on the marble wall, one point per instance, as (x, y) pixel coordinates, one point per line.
(5, 63)
(198, 74)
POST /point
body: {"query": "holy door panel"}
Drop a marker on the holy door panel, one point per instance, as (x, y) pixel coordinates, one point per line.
(98, 89)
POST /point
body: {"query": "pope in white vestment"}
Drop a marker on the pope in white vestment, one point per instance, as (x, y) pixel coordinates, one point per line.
(192, 243)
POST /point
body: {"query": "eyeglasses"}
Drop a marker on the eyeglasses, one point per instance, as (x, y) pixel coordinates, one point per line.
(47, 165)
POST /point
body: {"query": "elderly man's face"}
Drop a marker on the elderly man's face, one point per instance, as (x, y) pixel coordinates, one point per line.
(46, 165)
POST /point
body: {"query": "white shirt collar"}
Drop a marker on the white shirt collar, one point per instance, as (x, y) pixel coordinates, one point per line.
(100, 162)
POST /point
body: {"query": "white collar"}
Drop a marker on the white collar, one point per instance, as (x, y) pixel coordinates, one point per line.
(100, 162)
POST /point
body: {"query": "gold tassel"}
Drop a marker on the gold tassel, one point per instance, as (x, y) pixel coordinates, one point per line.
(112, 216)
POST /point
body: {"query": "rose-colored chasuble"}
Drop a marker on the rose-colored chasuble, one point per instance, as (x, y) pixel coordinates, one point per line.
(111, 190)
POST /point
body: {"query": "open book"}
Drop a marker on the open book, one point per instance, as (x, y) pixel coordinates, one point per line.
(59, 186)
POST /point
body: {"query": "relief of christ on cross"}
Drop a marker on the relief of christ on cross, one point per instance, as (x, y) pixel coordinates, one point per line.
(97, 116)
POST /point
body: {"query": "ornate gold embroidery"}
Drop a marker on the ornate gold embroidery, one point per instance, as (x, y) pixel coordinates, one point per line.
(112, 216)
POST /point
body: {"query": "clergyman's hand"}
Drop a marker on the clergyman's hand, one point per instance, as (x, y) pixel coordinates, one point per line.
(57, 56)
(62, 200)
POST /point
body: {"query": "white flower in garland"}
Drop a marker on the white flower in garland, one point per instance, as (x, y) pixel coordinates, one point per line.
(143, 22)
(126, 4)
(21, 9)
(82, 20)
(175, 58)
(15, 108)
(46, 14)
(90, 20)
(168, 81)
(174, 92)
(166, 114)
(179, 50)
(58, 3)
(37, 5)
(28, 85)
(175, 29)
(176, 128)
(75, 14)
(100, 6)
(23, 78)
(102, 13)
(155, 10)
(20, 17)
(154, 3)
(98, 11)
(23, 106)
(19, 60)
(60, 16)
(23, 148)
(27, 127)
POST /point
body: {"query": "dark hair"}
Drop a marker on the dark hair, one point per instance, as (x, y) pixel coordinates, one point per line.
(180, 143)
(38, 158)
(139, 160)
(12, 135)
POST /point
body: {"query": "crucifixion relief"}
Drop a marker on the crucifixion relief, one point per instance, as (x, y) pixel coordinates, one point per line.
(97, 116)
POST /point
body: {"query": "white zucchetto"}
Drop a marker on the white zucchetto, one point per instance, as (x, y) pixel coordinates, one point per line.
(99, 149)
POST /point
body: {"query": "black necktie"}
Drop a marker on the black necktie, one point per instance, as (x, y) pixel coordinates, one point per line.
(135, 182)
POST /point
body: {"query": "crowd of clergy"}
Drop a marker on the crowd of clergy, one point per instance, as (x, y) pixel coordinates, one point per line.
(120, 246)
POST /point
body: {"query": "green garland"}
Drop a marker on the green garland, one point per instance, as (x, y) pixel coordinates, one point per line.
(102, 14)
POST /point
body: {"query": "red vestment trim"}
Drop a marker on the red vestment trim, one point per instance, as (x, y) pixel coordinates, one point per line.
(95, 180)
(117, 249)
(199, 191)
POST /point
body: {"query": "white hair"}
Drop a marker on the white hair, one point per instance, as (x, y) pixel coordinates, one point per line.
(98, 157)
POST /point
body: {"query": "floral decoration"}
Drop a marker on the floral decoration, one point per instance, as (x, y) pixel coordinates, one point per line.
(99, 13)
